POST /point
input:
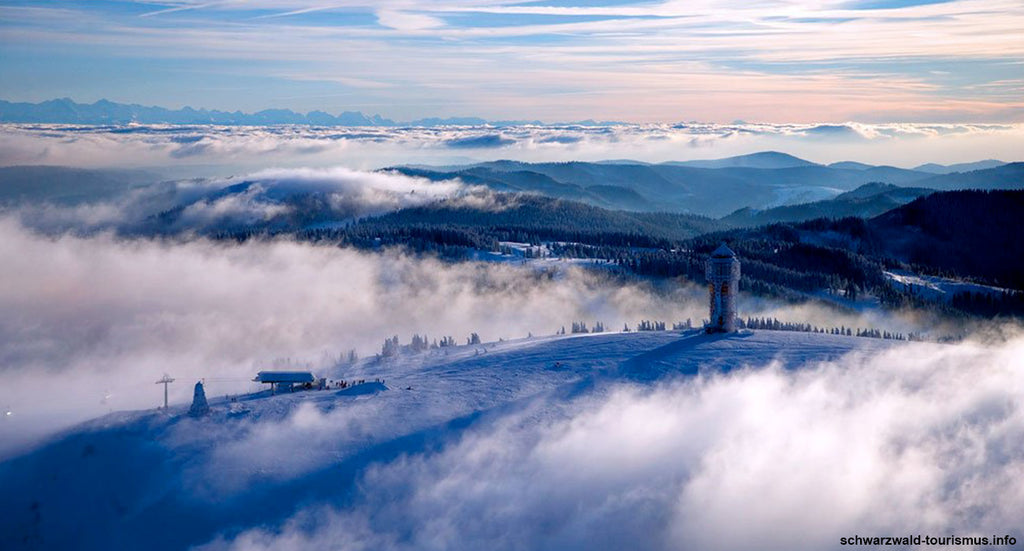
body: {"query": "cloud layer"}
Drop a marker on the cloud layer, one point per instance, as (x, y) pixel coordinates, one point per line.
(205, 150)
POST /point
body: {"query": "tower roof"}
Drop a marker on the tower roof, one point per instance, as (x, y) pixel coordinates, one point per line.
(723, 252)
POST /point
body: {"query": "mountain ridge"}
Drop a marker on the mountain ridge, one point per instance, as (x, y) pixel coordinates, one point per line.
(761, 159)
(715, 192)
(67, 111)
(866, 201)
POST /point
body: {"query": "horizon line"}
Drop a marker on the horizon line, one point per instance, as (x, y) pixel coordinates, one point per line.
(486, 121)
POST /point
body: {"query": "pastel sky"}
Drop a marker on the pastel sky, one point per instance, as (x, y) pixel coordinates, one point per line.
(553, 60)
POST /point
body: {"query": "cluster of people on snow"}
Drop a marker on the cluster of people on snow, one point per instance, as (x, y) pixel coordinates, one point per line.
(332, 384)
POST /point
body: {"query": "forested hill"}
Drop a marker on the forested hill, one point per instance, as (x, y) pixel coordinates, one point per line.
(957, 233)
(944, 234)
(515, 217)
(864, 202)
(969, 232)
(1007, 176)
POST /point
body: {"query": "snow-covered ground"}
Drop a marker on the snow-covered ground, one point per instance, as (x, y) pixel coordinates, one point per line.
(937, 288)
(540, 257)
(590, 441)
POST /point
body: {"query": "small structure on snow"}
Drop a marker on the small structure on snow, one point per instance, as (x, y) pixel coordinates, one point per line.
(723, 275)
(199, 405)
(281, 380)
(166, 380)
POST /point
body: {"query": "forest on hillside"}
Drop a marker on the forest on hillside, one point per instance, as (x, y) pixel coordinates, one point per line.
(949, 234)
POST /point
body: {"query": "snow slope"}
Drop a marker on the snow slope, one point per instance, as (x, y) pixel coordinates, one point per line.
(938, 288)
(163, 480)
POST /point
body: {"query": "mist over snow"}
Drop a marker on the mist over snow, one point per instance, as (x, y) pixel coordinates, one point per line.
(829, 437)
(93, 321)
(96, 319)
(913, 439)
(210, 150)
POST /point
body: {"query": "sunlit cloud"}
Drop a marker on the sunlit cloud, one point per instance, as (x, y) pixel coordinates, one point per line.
(499, 59)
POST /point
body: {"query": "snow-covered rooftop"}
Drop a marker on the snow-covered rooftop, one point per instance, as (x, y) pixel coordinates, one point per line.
(723, 251)
(284, 377)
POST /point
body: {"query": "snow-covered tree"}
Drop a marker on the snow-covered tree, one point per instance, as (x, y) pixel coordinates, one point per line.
(390, 347)
(419, 344)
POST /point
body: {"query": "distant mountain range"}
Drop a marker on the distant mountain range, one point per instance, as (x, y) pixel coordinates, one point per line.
(931, 168)
(719, 188)
(960, 167)
(67, 111)
(751, 190)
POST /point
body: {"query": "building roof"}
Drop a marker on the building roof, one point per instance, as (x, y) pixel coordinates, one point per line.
(284, 377)
(723, 252)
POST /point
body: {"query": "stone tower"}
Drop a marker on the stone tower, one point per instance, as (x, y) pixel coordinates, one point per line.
(723, 275)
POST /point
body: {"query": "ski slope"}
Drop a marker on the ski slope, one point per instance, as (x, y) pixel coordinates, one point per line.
(163, 480)
(938, 288)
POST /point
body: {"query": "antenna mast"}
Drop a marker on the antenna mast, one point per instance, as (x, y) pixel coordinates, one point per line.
(165, 381)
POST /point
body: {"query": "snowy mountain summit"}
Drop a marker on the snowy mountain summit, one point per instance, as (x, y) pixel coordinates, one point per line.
(371, 469)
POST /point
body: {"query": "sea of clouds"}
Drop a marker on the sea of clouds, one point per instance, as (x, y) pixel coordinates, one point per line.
(218, 150)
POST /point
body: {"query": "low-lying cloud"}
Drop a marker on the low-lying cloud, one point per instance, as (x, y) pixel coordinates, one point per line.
(916, 439)
(208, 150)
(93, 321)
(294, 198)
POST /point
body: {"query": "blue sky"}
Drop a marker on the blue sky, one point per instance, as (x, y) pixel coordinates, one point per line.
(650, 61)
